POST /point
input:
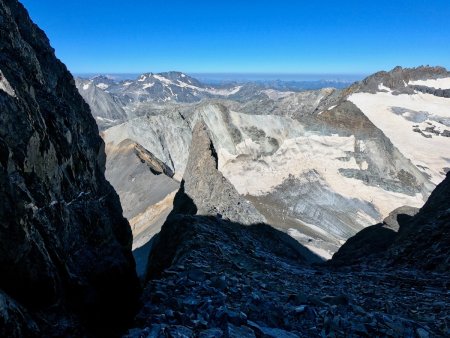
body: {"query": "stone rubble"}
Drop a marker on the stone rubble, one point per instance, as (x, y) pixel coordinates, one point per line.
(243, 289)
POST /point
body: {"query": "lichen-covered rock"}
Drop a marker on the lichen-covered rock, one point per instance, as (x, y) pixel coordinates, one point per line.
(209, 191)
(65, 249)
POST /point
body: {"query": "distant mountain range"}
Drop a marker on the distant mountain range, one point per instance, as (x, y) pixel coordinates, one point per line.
(114, 101)
(320, 164)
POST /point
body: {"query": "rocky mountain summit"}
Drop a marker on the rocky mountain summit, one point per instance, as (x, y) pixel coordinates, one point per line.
(210, 192)
(66, 267)
(400, 80)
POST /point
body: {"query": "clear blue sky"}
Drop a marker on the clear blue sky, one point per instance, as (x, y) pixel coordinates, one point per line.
(133, 36)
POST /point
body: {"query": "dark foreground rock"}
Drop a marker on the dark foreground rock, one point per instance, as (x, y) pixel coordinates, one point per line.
(66, 267)
(214, 278)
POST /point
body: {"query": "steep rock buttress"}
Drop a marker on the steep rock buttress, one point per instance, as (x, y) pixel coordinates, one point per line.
(65, 250)
(208, 191)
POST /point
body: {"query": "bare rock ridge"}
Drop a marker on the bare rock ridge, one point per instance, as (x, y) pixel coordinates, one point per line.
(210, 192)
(155, 165)
(66, 267)
(425, 241)
(398, 79)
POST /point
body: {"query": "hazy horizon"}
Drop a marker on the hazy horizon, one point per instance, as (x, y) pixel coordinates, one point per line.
(240, 77)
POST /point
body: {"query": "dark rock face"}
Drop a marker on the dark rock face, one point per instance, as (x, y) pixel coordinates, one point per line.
(65, 249)
(433, 91)
(406, 237)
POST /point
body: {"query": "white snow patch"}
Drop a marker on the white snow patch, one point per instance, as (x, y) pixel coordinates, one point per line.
(331, 107)
(185, 85)
(361, 145)
(104, 119)
(86, 86)
(142, 78)
(383, 87)
(163, 79)
(223, 92)
(102, 85)
(148, 85)
(428, 152)
(127, 83)
(214, 91)
(443, 83)
(5, 86)
(364, 165)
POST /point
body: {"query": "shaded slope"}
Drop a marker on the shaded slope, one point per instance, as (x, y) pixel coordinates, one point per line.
(375, 239)
(422, 241)
(425, 242)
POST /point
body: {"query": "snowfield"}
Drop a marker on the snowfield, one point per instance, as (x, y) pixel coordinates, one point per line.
(399, 115)
(443, 83)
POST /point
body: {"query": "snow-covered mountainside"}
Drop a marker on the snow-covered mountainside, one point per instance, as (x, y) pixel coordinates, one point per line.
(321, 165)
(414, 115)
(115, 102)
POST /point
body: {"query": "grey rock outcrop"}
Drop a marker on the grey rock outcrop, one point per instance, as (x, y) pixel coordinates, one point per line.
(65, 248)
(209, 192)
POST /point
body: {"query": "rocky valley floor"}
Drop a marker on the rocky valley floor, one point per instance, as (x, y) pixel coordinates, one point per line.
(257, 287)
